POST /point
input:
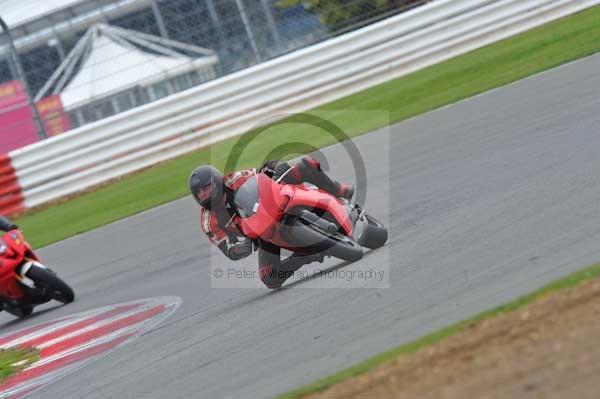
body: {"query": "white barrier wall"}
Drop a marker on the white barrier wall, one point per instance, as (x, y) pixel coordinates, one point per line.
(299, 81)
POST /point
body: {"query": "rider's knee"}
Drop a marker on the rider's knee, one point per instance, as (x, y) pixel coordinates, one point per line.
(272, 277)
(311, 164)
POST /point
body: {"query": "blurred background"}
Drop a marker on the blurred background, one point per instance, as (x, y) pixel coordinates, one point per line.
(81, 61)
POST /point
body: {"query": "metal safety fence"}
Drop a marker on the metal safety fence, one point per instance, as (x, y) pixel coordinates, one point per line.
(81, 61)
(233, 105)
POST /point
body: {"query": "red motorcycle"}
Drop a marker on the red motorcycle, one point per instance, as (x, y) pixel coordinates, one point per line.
(24, 281)
(305, 219)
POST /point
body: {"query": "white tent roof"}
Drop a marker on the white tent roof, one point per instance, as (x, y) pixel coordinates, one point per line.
(16, 12)
(108, 60)
(112, 67)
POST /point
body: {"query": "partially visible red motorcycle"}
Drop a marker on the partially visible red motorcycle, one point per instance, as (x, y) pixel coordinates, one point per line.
(305, 219)
(24, 281)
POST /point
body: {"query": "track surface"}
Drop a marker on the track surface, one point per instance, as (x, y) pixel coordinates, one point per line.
(490, 198)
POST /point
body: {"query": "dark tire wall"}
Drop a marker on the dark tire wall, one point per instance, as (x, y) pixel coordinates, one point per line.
(46, 278)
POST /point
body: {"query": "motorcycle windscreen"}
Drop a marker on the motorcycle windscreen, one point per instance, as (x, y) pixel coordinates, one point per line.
(259, 203)
(246, 198)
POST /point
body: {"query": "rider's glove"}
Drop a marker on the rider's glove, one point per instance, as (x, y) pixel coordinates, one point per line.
(241, 249)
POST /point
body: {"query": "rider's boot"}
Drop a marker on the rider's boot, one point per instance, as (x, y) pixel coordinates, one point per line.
(346, 191)
(314, 174)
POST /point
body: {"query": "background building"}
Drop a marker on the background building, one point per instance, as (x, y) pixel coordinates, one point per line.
(239, 33)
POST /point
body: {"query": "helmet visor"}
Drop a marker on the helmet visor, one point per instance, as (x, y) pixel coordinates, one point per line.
(206, 193)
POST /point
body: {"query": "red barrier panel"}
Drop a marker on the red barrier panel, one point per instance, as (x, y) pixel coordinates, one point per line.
(11, 196)
(6, 178)
(17, 127)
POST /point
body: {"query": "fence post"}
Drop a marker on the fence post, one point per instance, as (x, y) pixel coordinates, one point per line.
(214, 17)
(246, 22)
(41, 130)
(271, 21)
(159, 20)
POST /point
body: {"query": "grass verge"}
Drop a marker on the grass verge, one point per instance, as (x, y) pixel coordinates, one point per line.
(553, 44)
(369, 364)
(13, 361)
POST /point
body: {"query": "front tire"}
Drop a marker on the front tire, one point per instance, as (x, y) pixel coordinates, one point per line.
(375, 235)
(49, 282)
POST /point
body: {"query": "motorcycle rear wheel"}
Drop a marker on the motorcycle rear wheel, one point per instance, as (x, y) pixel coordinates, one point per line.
(55, 287)
(333, 244)
(25, 311)
(19, 311)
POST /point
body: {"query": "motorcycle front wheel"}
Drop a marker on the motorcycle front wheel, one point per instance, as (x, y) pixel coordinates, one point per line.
(49, 282)
(375, 235)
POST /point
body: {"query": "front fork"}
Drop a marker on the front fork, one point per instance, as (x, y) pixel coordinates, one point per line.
(360, 223)
(21, 272)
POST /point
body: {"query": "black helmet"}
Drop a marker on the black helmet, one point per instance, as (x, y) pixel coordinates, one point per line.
(207, 177)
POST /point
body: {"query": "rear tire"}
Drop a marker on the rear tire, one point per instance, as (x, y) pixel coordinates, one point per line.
(313, 240)
(26, 311)
(19, 311)
(55, 288)
(375, 235)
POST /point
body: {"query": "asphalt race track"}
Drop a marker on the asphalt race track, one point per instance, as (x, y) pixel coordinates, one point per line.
(489, 199)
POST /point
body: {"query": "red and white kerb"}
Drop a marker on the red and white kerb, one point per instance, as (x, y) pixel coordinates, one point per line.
(71, 342)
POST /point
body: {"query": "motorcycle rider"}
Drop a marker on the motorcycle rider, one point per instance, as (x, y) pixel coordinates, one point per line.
(220, 222)
(7, 225)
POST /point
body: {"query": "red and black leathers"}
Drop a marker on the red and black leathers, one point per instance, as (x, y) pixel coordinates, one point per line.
(6, 225)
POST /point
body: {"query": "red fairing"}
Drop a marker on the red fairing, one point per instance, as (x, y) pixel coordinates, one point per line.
(302, 196)
(269, 212)
(14, 250)
(275, 199)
